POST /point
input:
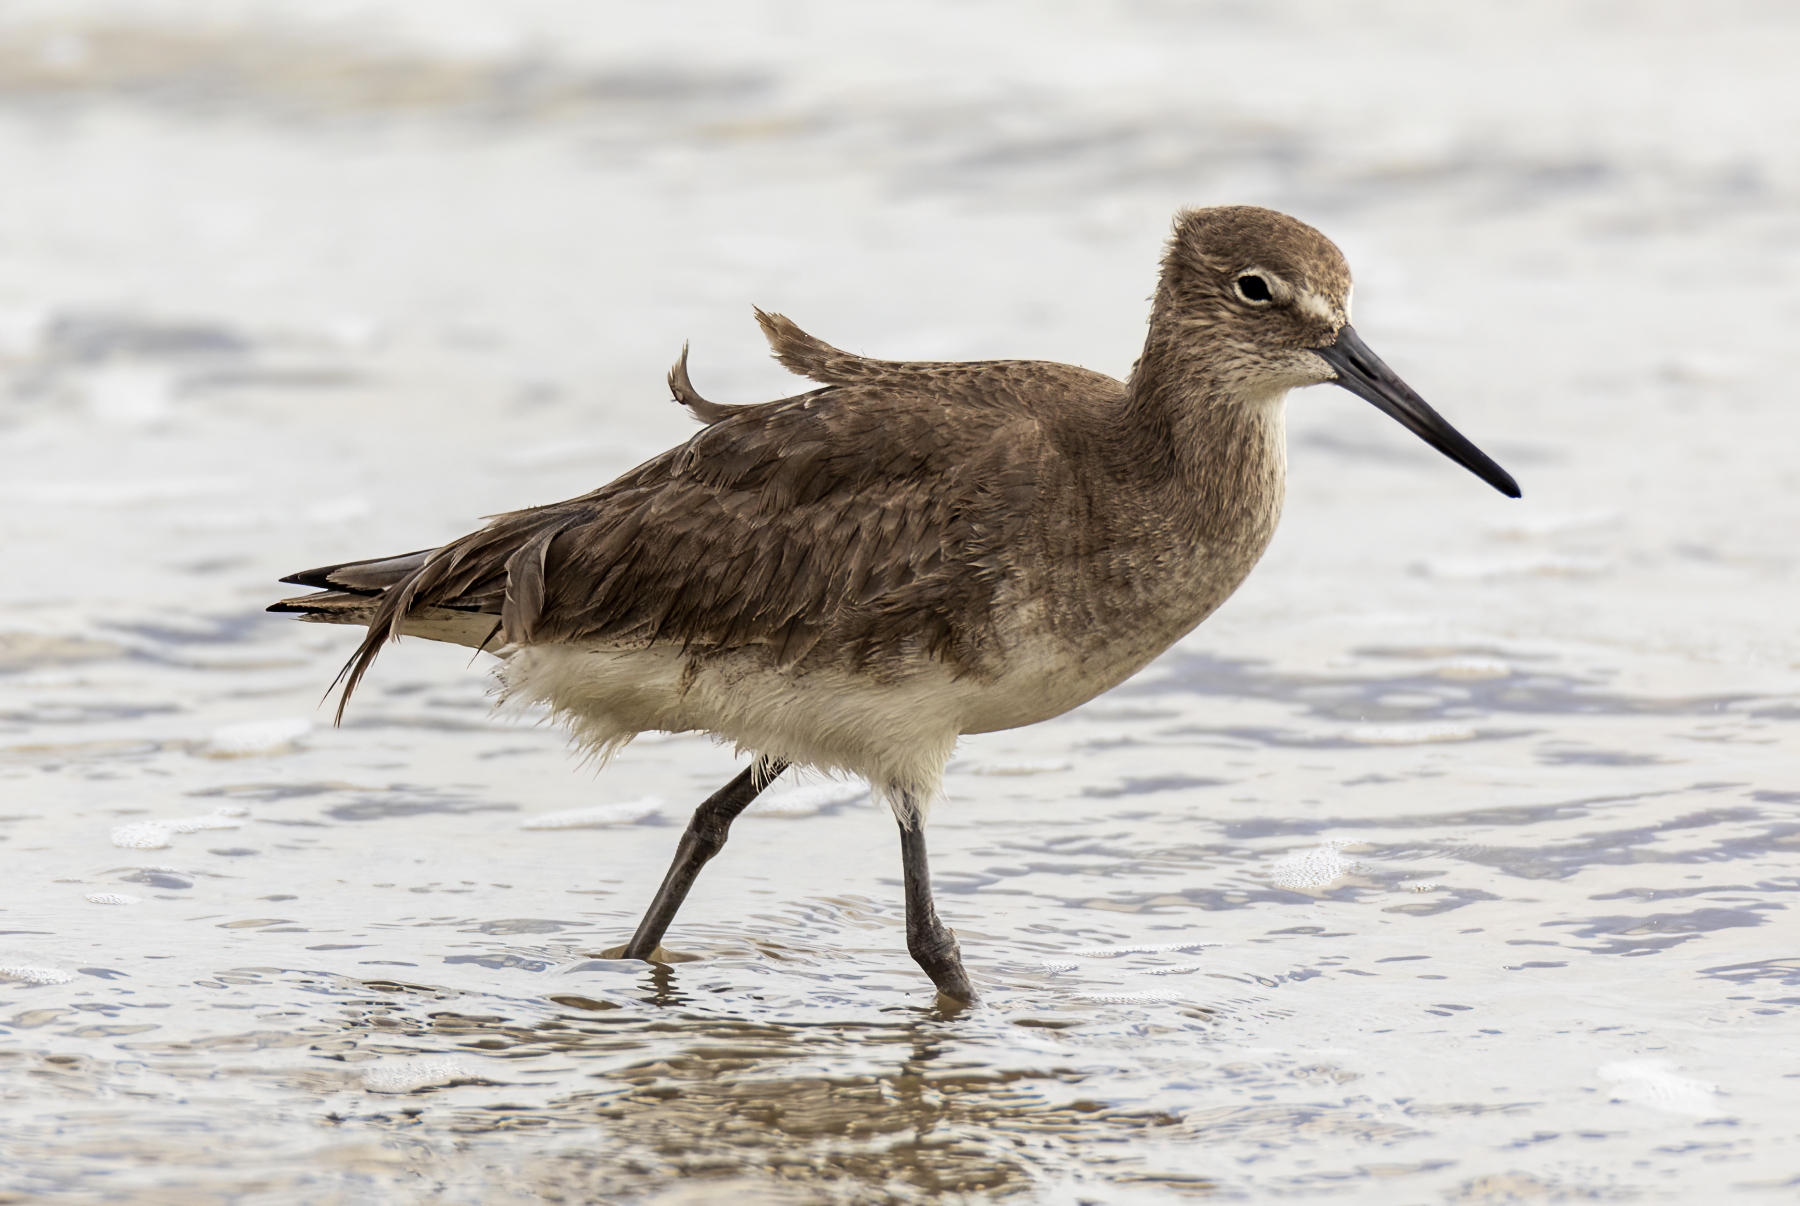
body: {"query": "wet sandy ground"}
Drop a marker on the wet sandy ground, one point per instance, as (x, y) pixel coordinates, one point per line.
(1451, 862)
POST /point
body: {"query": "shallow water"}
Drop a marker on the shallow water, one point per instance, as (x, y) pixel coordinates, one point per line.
(1450, 862)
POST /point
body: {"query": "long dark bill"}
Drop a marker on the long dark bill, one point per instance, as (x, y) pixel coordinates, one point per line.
(1362, 372)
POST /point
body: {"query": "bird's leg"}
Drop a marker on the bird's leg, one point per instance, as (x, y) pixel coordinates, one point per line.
(705, 837)
(931, 942)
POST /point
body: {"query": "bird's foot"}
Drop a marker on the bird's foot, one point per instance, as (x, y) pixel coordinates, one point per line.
(954, 988)
(941, 959)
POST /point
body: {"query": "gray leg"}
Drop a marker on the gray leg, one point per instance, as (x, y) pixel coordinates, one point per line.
(705, 837)
(932, 944)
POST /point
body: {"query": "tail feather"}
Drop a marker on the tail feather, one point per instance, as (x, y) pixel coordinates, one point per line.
(367, 577)
(378, 595)
(452, 625)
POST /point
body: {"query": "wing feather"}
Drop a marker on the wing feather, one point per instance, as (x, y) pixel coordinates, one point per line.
(865, 522)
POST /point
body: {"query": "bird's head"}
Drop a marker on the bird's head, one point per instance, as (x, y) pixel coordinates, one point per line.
(1262, 300)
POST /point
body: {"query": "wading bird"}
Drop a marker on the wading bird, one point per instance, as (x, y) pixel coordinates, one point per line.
(852, 578)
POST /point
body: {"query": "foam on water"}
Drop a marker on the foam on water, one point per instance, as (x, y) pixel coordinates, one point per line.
(1649, 1082)
(628, 813)
(256, 738)
(1532, 526)
(1313, 869)
(155, 835)
(28, 974)
(1130, 998)
(1411, 734)
(1019, 766)
(1474, 668)
(808, 799)
(1113, 952)
(409, 1076)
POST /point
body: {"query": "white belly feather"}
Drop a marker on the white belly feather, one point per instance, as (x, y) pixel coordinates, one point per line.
(897, 736)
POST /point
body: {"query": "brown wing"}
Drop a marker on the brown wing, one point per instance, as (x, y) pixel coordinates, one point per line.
(861, 523)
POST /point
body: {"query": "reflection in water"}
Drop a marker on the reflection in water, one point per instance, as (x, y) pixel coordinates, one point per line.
(724, 1107)
(719, 1098)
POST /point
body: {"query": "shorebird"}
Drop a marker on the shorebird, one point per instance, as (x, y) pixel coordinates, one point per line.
(852, 578)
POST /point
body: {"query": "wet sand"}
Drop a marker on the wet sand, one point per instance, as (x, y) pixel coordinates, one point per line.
(1448, 863)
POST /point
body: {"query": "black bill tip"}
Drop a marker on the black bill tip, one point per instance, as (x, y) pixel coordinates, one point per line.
(1363, 373)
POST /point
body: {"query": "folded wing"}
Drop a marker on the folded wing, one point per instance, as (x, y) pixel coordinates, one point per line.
(860, 523)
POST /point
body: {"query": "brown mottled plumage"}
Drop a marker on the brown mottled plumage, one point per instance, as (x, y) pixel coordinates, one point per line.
(852, 577)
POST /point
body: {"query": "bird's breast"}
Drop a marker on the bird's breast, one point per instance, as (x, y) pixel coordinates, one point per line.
(1094, 620)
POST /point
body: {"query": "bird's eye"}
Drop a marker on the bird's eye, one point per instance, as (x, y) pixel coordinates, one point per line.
(1254, 289)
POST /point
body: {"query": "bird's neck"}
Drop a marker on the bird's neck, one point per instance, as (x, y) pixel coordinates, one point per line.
(1216, 450)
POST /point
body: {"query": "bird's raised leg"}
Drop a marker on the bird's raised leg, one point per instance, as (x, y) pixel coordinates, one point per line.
(931, 942)
(705, 837)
